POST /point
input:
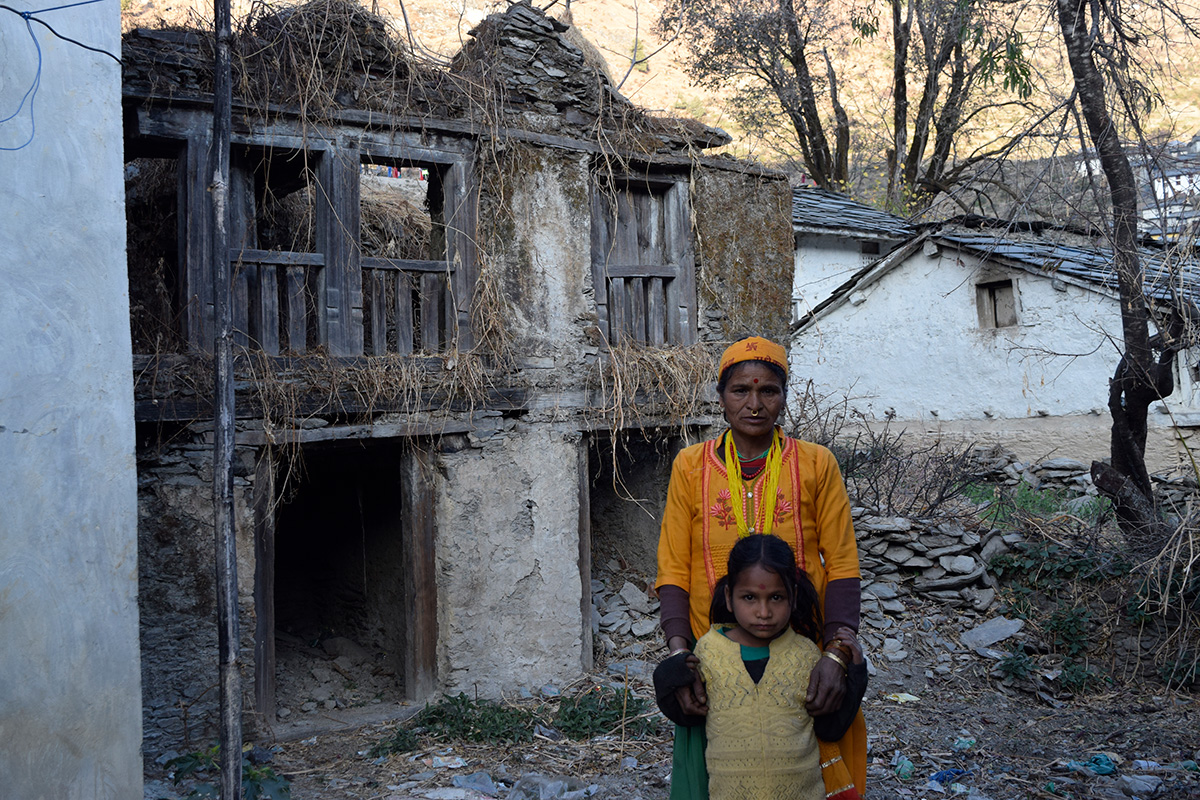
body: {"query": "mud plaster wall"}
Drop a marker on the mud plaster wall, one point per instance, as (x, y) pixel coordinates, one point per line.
(744, 249)
(509, 587)
(177, 594)
(535, 226)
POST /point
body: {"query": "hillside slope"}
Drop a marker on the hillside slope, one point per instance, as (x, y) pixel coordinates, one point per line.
(440, 26)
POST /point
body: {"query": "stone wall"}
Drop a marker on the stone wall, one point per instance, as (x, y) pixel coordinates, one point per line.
(628, 493)
(534, 220)
(744, 253)
(176, 587)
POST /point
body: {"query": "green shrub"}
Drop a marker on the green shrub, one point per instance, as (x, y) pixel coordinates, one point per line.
(460, 718)
(1047, 565)
(1070, 629)
(601, 710)
(402, 741)
(1183, 672)
(1016, 665)
(1076, 678)
(258, 782)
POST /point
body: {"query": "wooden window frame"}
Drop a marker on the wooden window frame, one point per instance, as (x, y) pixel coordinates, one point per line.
(997, 304)
(648, 303)
(333, 274)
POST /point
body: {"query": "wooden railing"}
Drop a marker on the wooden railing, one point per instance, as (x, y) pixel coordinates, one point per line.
(637, 302)
(275, 300)
(277, 297)
(406, 305)
(642, 261)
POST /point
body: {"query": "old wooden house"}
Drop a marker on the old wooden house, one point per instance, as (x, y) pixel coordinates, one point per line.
(456, 286)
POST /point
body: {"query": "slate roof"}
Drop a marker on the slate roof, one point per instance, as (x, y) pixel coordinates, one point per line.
(1078, 259)
(821, 211)
(1090, 264)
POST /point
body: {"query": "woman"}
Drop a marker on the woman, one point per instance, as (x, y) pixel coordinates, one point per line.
(752, 479)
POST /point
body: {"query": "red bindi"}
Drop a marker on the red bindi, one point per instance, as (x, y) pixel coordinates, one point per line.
(756, 380)
(762, 587)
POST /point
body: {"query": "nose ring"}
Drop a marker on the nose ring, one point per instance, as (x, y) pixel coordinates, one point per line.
(754, 413)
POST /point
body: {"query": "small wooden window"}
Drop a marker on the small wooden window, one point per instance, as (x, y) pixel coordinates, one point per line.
(870, 248)
(407, 304)
(997, 304)
(642, 262)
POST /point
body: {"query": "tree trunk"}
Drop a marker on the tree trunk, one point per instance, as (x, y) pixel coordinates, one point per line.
(841, 148)
(901, 33)
(1138, 380)
(808, 126)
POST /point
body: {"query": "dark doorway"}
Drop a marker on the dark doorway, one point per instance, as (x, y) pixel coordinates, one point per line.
(352, 552)
(629, 477)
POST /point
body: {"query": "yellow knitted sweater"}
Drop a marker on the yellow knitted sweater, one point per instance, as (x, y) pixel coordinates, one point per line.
(761, 744)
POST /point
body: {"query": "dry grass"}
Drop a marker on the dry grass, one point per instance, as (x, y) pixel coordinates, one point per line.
(642, 384)
(1170, 594)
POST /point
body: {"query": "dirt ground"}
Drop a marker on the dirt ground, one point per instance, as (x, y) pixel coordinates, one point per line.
(1011, 742)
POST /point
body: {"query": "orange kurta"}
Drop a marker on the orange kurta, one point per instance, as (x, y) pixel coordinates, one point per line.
(812, 514)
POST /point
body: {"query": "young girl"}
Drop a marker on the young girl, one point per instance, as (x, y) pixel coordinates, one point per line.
(756, 661)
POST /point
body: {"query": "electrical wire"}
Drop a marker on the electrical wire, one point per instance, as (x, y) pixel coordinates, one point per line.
(31, 93)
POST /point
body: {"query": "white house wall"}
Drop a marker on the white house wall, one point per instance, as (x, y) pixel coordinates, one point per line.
(910, 348)
(70, 693)
(824, 263)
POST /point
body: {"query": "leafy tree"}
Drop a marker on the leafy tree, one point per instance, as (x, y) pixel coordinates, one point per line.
(945, 54)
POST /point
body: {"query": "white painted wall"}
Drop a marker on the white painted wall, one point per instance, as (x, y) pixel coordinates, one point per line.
(824, 263)
(70, 693)
(910, 347)
(913, 347)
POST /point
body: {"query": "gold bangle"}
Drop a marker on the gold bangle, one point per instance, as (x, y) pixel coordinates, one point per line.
(835, 657)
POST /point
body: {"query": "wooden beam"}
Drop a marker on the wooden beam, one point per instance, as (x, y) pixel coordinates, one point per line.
(406, 264)
(681, 292)
(280, 258)
(404, 314)
(264, 585)
(195, 242)
(460, 199)
(398, 136)
(601, 244)
(337, 222)
(432, 288)
(636, 291)
(297, 309)
(418, 504)
(656, 321)
(375, 287)
(585, 551)
(641, 270)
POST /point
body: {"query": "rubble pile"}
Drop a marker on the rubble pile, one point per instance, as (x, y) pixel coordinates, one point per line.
(1052, 473)
(337, 673)
(1072, 476)
(624, 617)
(943, 561)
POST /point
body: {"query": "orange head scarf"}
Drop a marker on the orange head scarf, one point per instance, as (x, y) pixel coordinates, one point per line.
(754, 348)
